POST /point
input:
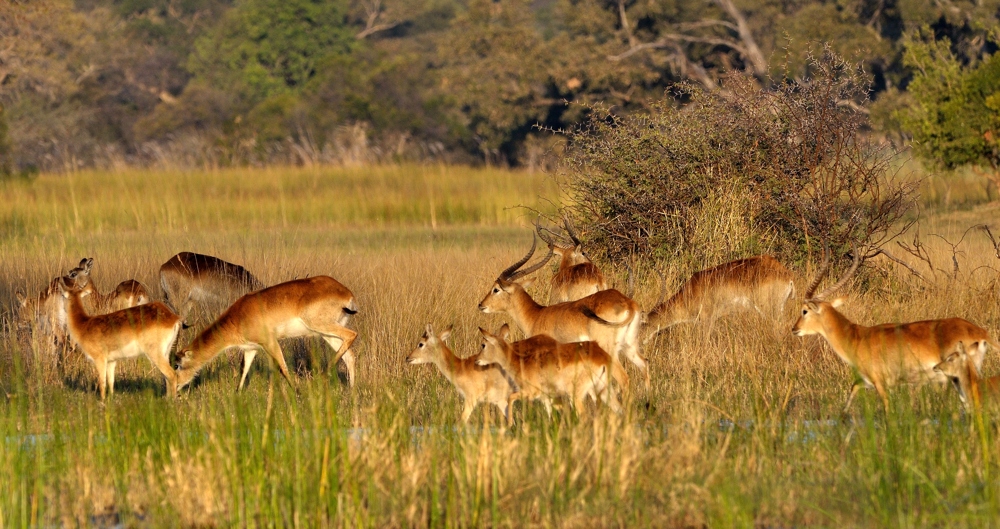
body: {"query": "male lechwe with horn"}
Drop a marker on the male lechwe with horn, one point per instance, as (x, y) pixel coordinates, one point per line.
(891, 353)
(577, 277)
(315, 306)
(607, 317)
(758, 283)
(190, 279)
(149, 329)
(545, 369)
(474, 383)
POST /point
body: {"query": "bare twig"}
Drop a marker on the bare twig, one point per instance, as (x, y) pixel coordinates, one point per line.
(904, 264)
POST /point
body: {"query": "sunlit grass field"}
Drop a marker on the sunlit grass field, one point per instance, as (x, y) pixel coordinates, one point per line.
(743, 426)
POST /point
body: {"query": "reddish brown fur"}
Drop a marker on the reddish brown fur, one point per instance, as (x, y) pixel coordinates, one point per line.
(190, 278)
(743, 284)
(577, 277)
(887, 354)
(608, 317)
(315, 306)
(545, 369)
(128, 293)
(149, 329)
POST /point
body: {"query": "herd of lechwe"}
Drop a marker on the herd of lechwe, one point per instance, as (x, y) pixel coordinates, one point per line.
(574, 348)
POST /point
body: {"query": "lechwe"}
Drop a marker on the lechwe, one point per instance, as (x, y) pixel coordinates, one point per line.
(191, 278)
(886, 354)
(754, 283)
(149, 329)
(545, 369)
(608, 317)
(577, 277)
(43, 316)
(963, 374)
(128, 293)
(474, 383)
(315, 306)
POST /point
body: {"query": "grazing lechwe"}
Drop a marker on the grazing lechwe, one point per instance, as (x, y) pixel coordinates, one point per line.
(887, 354)
(149, 330)
(545, 369)
(128, 293)
(608, 317)
(961, 370)
(577, 276)
(190, 279)
(316, 306)
(474, 383)
(758, 283)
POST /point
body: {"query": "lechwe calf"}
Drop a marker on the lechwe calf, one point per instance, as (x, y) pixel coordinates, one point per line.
(149, 329)
(43, 315)
(474, 383)
(888, 354)
(960, 369)
(757, 283)
(316, 306)
(128, 293)
(544, 369)
(608, 317)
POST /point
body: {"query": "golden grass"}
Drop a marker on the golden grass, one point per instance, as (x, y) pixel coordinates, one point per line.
(742, 426)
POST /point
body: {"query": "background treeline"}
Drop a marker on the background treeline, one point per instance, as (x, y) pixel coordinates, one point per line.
(230, 82)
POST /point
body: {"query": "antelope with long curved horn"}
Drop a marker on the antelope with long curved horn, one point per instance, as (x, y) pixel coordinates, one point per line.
(891, 353)
(578, 277)
(607, 317)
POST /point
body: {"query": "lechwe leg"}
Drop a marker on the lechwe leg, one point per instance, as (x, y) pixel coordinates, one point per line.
(272, 348)
(333, 331)
(159, 355)
(249, 353)
(111, 377)
(102, 375)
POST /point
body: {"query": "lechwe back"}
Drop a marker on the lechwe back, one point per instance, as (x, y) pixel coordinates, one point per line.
(886, 354)
(474, 383)
(577, 277)
(149, 329)
(960, 369)
(545, 369)
(190, 279)
(757, 283)
(128, 293)
(608, 317)
(315, 306)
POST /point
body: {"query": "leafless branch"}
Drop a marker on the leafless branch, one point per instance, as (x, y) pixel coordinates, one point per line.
(373, 10)
(904, 264)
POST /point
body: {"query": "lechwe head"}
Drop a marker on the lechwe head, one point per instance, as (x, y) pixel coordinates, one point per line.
(758, 283)
(128, 293)
(577, 277)
(886, 354)
(960, 369)
(474, 383)
(190, 279)
(149, 330)
(545, 369)
(315, 306)
(607, 317)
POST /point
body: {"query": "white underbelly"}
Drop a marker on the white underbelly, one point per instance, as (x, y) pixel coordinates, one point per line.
(293, 328)
(130, 350)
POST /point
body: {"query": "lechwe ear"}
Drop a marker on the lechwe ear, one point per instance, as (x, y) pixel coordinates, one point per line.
(527, 282)
(429, 330)
(838, 302)
(504, 332)
(445, 334)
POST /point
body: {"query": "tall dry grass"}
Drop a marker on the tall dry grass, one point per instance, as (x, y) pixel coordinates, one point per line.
(742, 426)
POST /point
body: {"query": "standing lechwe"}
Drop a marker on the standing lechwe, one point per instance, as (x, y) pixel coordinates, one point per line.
(474, 383)
(191, 280)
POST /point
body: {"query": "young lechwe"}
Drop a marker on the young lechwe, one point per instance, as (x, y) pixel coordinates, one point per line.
(128, 293)
(961, 370)
(149, 330)
(474, 383)
(544, 369)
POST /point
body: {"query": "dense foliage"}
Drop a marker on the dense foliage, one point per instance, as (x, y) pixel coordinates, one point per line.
(206, 82)
(783, 171)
